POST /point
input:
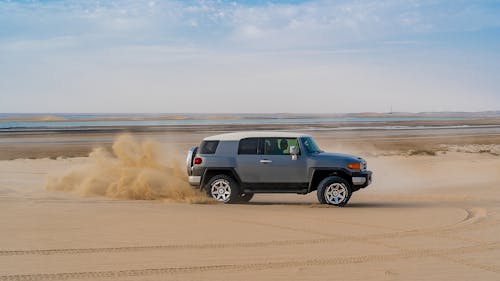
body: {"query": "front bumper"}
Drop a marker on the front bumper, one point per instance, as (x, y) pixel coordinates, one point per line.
(362, 179)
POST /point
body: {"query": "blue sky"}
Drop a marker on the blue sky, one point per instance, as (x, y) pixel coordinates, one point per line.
(249, 56)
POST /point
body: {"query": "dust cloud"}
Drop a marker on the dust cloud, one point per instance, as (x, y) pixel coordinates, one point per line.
(132, 170)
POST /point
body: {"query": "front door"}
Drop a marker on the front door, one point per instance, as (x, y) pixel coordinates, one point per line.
(276, 164)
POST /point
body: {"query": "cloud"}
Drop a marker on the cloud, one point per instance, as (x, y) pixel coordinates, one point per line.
(161, 55)
(313, 24)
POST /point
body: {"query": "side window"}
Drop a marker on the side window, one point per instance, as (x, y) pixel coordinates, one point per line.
(248, 146)
(279, 146)
(208, 147)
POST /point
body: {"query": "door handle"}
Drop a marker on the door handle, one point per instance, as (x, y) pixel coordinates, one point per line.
(265, 161)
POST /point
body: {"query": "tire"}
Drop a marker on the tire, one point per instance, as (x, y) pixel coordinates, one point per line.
(335, 191)
(189, 159)
(245, 197)
(223, 188)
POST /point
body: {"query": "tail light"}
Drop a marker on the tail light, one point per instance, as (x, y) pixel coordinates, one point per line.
(197, 161)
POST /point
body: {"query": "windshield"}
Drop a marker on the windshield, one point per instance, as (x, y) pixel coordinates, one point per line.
(310, 145)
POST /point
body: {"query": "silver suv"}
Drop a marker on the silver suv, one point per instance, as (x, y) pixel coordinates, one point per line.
(233, 167)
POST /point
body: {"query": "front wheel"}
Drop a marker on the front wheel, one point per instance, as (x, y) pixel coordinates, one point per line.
(335, 191)
(223, 188)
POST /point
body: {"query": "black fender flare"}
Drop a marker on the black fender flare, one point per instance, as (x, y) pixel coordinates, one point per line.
(210, 172)
(317, 174)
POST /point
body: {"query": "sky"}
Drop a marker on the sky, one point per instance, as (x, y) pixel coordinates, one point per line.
(249, 56)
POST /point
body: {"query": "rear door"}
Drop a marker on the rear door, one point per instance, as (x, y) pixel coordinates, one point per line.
(247, 160)
(276, 164)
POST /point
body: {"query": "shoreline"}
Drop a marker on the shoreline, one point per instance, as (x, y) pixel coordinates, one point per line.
(31, 144)
(55, 117)
(259, 124)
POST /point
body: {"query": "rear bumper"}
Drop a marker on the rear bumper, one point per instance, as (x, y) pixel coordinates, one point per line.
(194, 180)
(195, 175)
(362, 179)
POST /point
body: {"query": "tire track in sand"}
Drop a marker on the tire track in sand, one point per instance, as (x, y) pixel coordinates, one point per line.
(77, 251)
(257, 266)
(474, 216)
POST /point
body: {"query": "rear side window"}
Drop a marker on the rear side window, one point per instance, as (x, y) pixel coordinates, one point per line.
(248, 146)
(208, 147)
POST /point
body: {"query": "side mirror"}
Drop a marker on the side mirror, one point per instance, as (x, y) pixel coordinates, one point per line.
(294, 151)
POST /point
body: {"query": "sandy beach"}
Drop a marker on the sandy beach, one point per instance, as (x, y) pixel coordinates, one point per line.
(431, 213)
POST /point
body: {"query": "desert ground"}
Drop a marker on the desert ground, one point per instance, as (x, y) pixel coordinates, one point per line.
(432, 213)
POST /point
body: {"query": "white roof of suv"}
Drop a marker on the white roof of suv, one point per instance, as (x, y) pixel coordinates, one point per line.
(255, 134)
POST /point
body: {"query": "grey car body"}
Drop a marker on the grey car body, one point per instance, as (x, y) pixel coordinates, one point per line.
(273, 162)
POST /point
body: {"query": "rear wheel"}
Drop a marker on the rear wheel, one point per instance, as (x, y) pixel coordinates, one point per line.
(245, 197)
(335, 191)
(223, 188)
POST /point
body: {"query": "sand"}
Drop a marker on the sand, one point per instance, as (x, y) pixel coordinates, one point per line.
(424, 218)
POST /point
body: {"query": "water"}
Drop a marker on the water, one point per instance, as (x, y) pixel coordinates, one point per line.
(34, 121)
